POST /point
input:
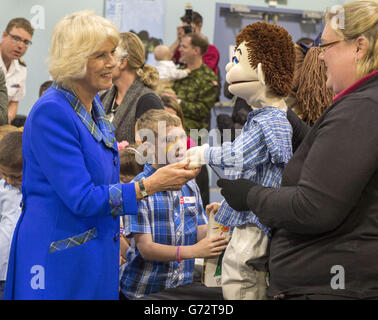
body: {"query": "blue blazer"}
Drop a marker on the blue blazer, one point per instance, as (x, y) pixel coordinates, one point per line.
(66, 243)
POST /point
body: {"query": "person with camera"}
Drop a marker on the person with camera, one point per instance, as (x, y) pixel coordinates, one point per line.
(192, 22)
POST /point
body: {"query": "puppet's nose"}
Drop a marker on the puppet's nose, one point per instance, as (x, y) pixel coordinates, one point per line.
(229, 66)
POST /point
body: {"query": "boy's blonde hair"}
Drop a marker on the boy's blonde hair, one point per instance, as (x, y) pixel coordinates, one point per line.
(11, 151)
(359, 18)
(74, 39)
(150, 120)
(6, 128)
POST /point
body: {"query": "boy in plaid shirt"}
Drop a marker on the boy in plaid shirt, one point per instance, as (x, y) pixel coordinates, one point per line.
(170, 229)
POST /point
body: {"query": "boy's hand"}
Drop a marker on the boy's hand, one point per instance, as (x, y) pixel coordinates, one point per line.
(196, 156)
(123, 247)
(212, 208)
(210, 247)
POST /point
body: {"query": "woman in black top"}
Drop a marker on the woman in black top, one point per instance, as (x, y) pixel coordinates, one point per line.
(325, 216)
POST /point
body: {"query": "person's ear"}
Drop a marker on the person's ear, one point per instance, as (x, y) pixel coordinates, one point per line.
(123, 64)
(260, 74)
(362, 45)
(199, 27)
(197, 50)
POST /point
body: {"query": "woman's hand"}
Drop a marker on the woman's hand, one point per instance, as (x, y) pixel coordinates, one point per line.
(170, 177)
(209, 247)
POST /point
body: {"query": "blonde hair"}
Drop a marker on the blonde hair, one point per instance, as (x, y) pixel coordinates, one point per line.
(360, 18)
(6, 128)
(132, 48)
(151, 118)
(162, 52)
(74, 39)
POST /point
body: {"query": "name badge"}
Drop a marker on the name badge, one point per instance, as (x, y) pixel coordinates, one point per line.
(187, 200)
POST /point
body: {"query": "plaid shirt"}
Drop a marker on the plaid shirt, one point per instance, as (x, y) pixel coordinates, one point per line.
(172, 218)
(259, 154)
(101, 129)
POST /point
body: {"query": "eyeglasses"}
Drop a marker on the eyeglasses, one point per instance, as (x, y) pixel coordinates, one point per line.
(18, 39)
(324, 46)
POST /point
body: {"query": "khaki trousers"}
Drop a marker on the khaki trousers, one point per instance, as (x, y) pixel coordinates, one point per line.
(244, 264)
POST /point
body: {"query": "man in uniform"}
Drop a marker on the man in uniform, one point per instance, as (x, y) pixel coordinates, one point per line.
(200, 90)
(15, 41)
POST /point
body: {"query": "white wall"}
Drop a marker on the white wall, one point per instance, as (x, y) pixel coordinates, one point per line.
(54, 10)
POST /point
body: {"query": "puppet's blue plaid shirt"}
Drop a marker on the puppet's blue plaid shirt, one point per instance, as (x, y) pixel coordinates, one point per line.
(258, 154)
(172, 218)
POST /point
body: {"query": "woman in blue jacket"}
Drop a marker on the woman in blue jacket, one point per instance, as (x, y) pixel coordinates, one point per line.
(66, 243)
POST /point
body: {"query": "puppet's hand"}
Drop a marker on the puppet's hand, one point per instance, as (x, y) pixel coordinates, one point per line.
(196, 156)
(235, 192)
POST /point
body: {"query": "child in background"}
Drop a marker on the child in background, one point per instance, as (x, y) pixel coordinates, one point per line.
(166, 68)
(129, 168)
(10, 196)
(44, 86)
(170, 229)
(6, 128)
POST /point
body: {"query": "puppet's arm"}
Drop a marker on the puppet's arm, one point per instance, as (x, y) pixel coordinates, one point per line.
(246, 151)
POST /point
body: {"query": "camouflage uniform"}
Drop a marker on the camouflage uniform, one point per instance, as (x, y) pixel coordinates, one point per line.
(198, 93)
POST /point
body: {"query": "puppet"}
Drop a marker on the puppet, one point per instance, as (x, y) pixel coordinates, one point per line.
(261, 72)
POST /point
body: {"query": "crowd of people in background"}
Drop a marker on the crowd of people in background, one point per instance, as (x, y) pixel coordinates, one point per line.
(79, 182)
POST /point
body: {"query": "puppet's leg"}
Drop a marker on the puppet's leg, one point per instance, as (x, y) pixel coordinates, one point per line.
(243, 269)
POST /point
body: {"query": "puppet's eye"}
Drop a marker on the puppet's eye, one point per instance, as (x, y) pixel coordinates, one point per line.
(235, 60)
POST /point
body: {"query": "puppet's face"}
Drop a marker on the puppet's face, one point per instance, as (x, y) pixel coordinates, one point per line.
(244, 80)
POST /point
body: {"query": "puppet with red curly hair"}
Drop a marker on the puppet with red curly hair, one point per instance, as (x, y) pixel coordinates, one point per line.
(261, 72)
